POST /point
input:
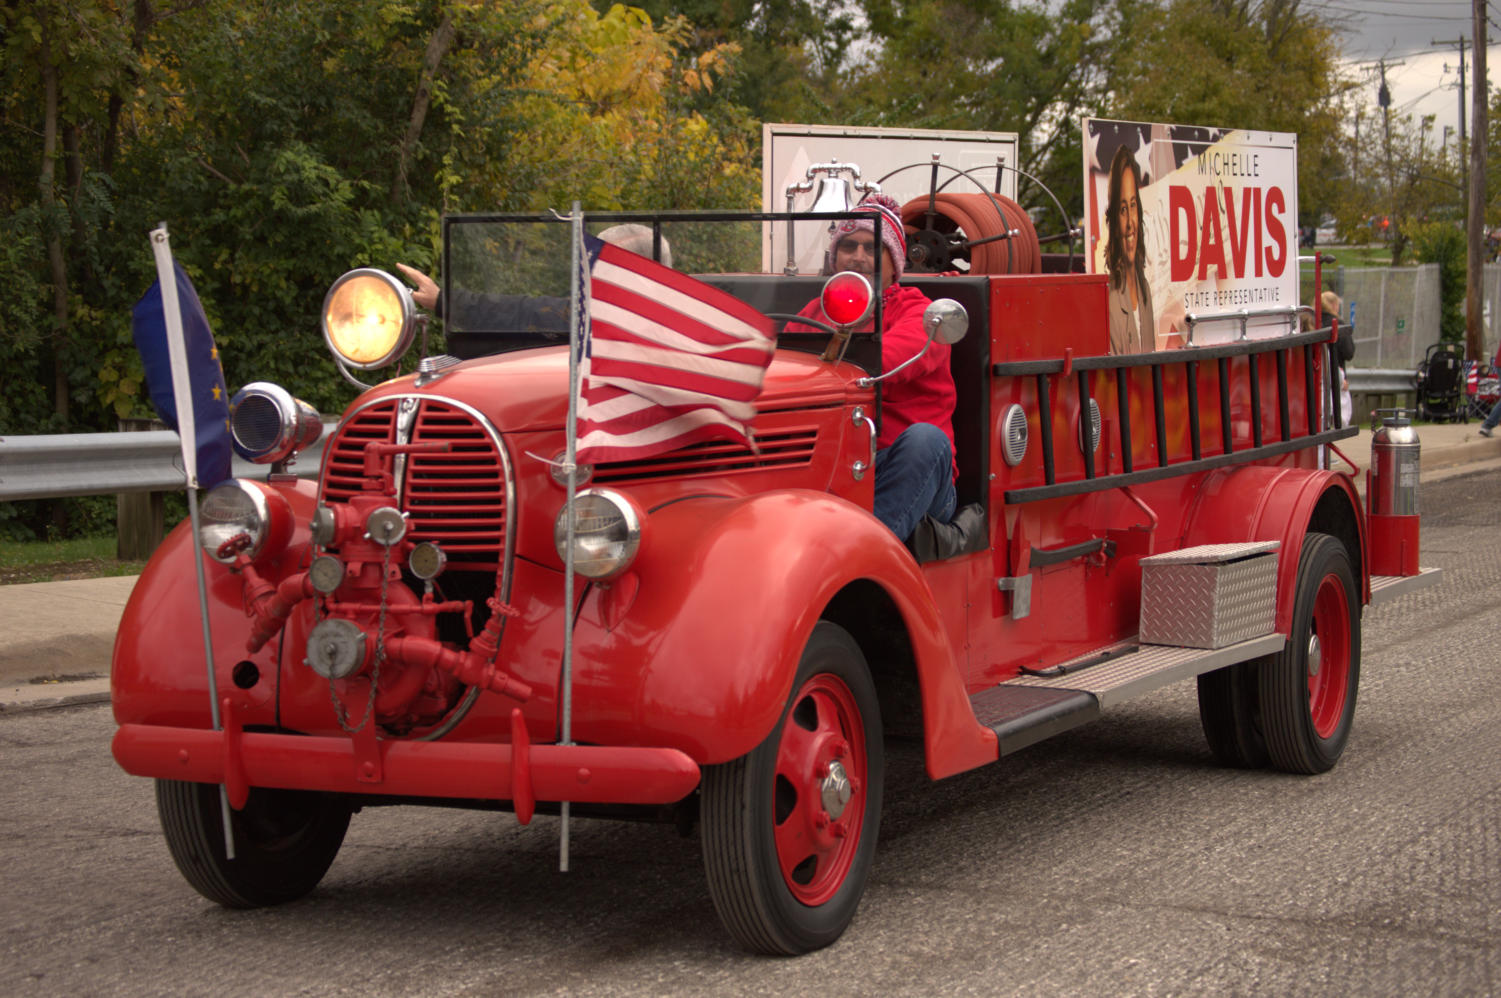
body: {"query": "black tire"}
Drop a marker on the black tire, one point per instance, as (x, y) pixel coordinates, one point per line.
(1308, 699)
(285, 841)
(762, 812)
(1230, 711)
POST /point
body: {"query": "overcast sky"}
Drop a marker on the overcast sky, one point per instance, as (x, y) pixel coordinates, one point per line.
(1403, 32)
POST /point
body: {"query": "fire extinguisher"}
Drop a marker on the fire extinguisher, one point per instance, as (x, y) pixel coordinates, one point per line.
(1392, 495)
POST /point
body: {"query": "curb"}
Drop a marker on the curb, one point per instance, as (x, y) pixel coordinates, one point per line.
(53, 695)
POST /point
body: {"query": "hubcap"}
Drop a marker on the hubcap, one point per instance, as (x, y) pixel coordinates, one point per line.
(836, 791)
(1329, 657)
(818, 794)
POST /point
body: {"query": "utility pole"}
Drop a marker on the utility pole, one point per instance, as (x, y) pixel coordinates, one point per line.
(1355, 168)
(1384, 98)
(1461, 41)
(1475, 227)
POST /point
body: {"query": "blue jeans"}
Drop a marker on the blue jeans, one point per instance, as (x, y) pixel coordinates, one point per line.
(1489, 424)
(914, 478)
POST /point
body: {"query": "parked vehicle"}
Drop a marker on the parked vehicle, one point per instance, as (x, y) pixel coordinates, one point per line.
(744, 634)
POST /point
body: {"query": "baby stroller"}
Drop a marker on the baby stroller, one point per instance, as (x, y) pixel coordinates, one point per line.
(1482, 389)
(1440, 384)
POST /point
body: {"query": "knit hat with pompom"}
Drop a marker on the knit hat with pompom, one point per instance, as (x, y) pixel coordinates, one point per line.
(893, 236)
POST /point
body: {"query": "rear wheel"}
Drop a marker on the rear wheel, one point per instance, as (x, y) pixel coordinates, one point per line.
(1308, 689)
(285, 841)
(1230, 711)
(789, 830)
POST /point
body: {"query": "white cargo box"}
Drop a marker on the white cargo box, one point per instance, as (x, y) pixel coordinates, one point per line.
(1209, 596)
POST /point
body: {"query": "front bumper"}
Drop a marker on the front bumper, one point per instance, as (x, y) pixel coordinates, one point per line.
(518, 772)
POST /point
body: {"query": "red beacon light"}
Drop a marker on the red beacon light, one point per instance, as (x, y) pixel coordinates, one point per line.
(846, 298)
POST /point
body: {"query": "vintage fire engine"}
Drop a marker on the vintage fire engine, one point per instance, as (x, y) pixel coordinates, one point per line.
(741, 635)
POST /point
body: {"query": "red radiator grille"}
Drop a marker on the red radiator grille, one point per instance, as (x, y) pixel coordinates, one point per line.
(455, 498)
(343, 476)
(777, 449)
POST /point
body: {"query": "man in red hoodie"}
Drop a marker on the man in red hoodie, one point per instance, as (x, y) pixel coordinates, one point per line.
(915, 467)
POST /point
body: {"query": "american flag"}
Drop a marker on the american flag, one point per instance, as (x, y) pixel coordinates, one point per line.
(670, 360)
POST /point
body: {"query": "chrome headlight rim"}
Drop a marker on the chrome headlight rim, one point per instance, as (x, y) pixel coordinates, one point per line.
(298, 425)
(254, 522)
(403, 339)
(624, 517)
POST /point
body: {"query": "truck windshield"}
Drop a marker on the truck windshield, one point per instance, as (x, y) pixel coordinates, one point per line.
(506, 279)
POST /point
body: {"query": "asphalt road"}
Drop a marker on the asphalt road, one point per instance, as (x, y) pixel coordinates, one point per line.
(1116, 860)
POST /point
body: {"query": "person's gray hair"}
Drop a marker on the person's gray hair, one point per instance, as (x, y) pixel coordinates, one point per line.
(637, 239)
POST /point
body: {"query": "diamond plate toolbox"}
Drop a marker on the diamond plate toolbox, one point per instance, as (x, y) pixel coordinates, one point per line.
(1209, 596)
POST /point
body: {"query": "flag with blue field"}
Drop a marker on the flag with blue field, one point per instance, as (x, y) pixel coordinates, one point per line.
(184, 377)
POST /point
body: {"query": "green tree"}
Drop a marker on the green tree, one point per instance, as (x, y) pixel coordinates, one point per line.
(791, 52)
(1399, 180)
(1260, 64)
(1443, 243)
(988, 65)
(285, 143)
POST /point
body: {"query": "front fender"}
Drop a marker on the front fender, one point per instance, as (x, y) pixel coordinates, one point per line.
(1264, 503)
(157, 675)
(697, 646)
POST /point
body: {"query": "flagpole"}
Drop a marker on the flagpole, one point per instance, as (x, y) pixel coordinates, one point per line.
(576, 340)
(187, 433)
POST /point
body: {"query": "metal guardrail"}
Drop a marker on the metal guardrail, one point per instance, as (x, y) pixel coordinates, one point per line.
(55, 465)
(1371, 381)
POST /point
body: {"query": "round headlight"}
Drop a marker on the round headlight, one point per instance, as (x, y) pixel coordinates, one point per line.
(368, 318)
(268, 425)
(234, 517)
(606, 533)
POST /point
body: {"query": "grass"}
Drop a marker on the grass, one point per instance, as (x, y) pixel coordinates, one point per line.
(1372, 255)
(54, 561)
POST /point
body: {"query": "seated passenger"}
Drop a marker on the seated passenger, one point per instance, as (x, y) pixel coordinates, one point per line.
(915, 466)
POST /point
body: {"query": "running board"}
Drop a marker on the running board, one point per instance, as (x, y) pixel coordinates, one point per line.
(1389, 587)
(1028, 709)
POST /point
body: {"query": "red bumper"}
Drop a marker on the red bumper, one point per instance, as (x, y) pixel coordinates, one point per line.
(521, 773)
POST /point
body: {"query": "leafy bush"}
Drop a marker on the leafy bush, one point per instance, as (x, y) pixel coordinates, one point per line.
(1443, 243)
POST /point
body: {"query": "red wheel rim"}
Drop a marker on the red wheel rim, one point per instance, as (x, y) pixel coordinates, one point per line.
(819, 790)
(1329, 656)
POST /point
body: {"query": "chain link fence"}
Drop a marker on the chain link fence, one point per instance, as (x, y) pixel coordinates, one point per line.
(1491, 308)
(1395, 311)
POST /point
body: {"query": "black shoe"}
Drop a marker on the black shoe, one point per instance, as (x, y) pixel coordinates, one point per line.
(934, 540)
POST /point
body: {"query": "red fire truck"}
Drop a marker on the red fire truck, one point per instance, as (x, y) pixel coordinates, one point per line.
(739, 635)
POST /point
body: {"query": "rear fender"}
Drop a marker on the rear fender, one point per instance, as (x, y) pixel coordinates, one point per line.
(696, 647)
(1263, 503)
(157, 675)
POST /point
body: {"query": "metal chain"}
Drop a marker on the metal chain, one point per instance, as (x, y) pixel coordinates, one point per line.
(380, 655)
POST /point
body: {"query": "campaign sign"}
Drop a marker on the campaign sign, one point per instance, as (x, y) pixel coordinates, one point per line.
(1191, 222)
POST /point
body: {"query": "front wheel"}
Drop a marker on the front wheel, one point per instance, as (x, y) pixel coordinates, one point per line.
(285, 841)
(789, 830)
(1308, 689)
